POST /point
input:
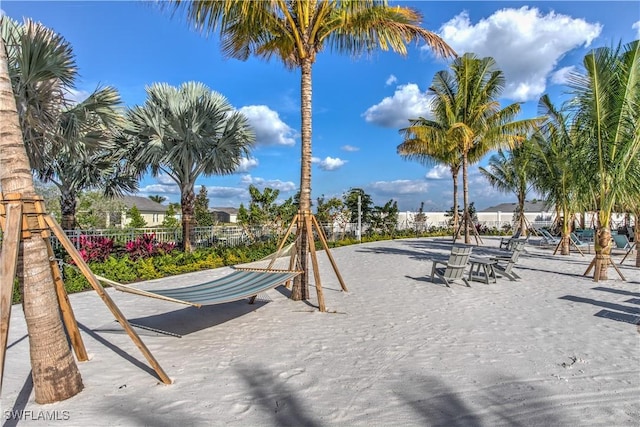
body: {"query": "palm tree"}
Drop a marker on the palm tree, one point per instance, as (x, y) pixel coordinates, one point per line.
(295, 32)
(34, 53)
(413, 148)
(510, 171)
(158, 198)
(557, 170)
(88, 155)
(468, 119)
(606, 105)
(54, 370)
(185, 132)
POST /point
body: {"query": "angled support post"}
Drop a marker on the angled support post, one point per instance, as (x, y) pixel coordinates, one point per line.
(11, 228)
(93, 281)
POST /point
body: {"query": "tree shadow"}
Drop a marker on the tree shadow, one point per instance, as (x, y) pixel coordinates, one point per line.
(608, 305)
(117, 350)
(509, 401)
(20, 403)
(611, 311)
(278, 401)
(616, 291)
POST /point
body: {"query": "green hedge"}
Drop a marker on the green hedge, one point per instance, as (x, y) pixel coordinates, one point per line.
(122, 269)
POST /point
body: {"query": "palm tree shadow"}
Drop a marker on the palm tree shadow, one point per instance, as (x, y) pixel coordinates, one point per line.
(265, 389)
(21, 402)
(117, 350)
(439, 405)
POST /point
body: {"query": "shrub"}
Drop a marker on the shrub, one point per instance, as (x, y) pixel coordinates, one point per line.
(146, 246)
(94, 248)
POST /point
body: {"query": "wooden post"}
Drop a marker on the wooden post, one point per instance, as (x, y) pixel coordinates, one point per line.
(9, 262)
(314, 262)
(325, 245)
(596, 262)
(68, 316)
(73, 252)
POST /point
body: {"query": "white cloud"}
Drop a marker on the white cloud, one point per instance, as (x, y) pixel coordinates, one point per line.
(160, 189)
(75, 95)
(398, 187)
(525, 43)
(163, 178)
(329, 163)
(269, 128)
(391, 80)
(349, 148)
(215, 192)
(560, 76)
(271, 183)
(439, 172)
(247, 164)
(636, 26)
(394, 111)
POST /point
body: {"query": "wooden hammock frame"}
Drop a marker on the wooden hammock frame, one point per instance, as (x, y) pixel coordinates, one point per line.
(25, 218)
(306, 221)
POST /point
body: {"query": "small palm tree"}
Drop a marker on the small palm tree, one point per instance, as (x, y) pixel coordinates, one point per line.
(468, 120)
(55, 374)
(414, 148)
(606, 106)
(556, 167)
(510, 171)
(35, 53)
(185, 132)
(87, 155)
(295, 32)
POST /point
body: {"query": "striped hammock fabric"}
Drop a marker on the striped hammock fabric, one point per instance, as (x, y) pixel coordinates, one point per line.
(240, 284)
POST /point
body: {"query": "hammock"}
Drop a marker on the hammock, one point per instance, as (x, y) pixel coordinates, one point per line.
(238, 285)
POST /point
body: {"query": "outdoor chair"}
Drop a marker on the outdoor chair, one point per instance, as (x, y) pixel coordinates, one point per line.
(505, 242)
(504, 264)
(621, 241)
(631, 234)
(579, 244)
(585, 234)
(547, 238)
(453, 269)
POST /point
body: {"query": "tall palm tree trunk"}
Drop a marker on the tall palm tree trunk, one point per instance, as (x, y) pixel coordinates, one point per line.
(521, 217)
(465, 199)
(565, 239)
(603, 244)
(456, 217)
(54, 370)
(68, 203)
(636, 239)
(636, 234)
(187, 202)
(300, 289)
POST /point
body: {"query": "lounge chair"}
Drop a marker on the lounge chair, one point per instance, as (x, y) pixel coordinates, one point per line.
(547, 238)
(453, 269)
(631, 233)
(579, 244)
(505, 242)
(504, 264)
(621, 241)
(585, 234)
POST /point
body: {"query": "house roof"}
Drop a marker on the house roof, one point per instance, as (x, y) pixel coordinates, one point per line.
(529, 206)
(144, 204)
(227, 210)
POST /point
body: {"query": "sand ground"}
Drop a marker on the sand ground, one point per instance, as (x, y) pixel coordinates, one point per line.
(554, 349)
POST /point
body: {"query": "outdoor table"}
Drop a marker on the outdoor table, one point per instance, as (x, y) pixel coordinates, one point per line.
(482, 270)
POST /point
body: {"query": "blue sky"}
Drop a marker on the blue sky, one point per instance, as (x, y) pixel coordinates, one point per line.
(359, 104)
